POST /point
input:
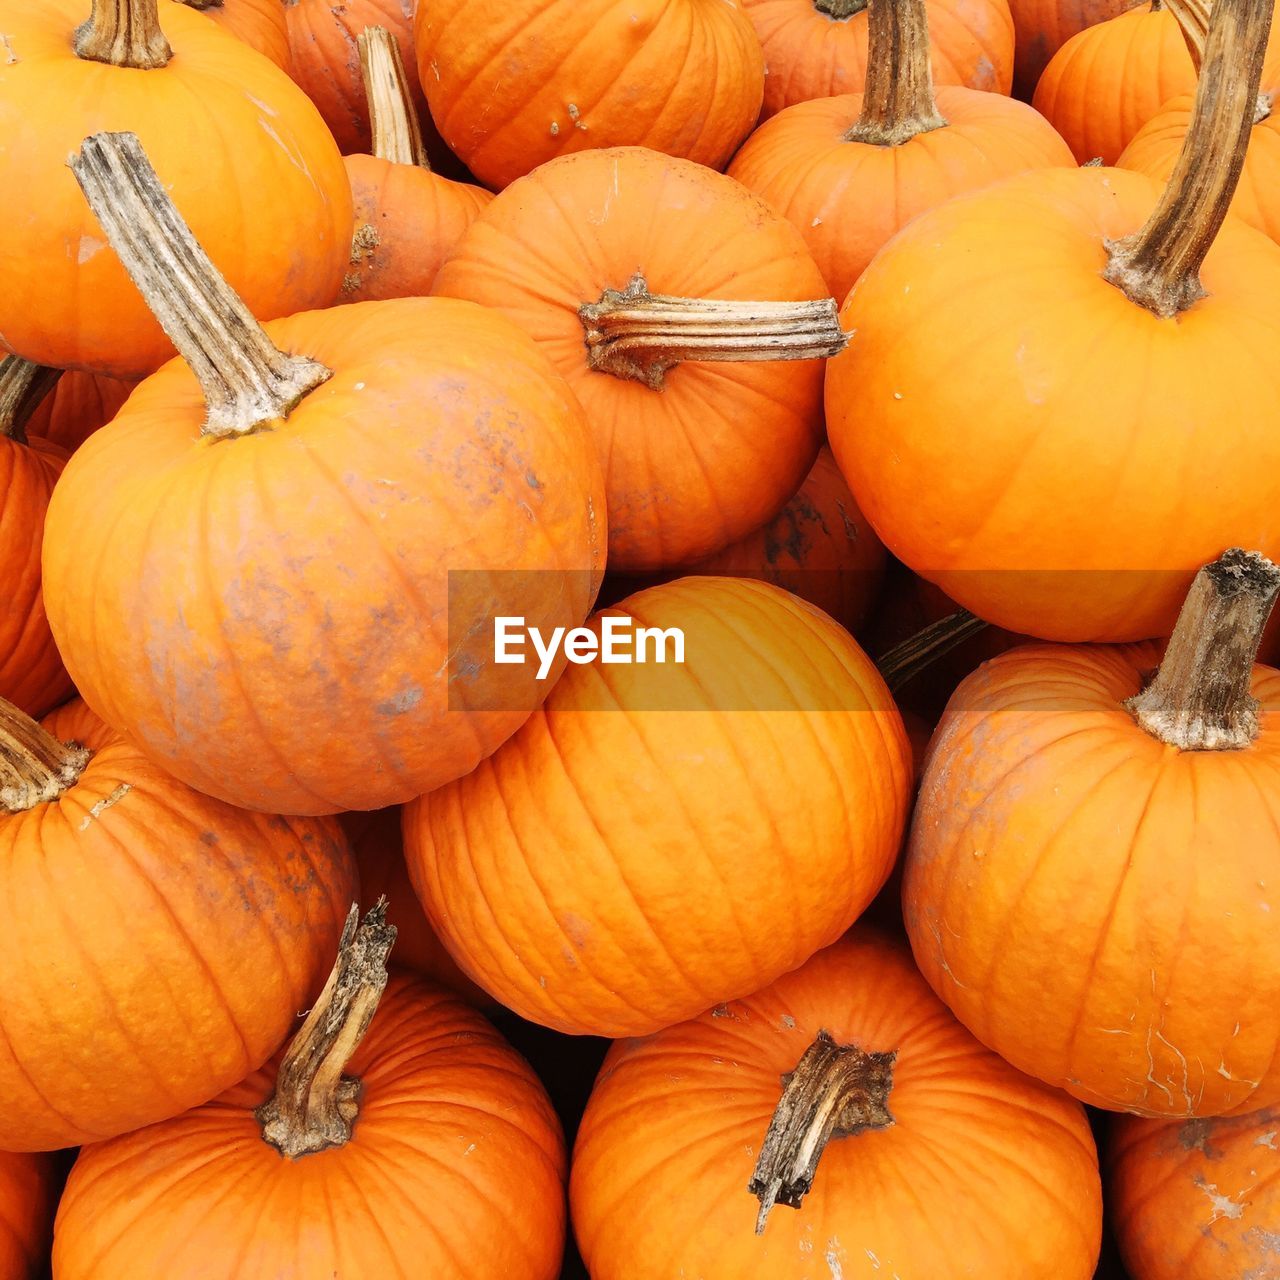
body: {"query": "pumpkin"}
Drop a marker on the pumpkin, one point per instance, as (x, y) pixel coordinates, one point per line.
(636, 274)
(663, 835)
(328, 523)
(512, 88)
(245, 156)
(819, 48)
(1091, 860)
(851, 171)
(901, 1146)
(259, 23)
(77, 406)
(422, 1147)
(1019, 310)
(1044, 26)
(407, 218)
(27, 1199)
(1196, 1199)
(142, 914)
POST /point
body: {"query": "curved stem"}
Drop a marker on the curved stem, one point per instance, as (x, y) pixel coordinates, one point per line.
(125, 33)
(397, 136)
(839, 10)
(23, 386)
(905, 661)
(1193, 22)
(835, 1091)
(1199, 698)
(1159, 266)
(35, 768)
(638, 335)
(898, 102)
(315, 1106)
(247, 382)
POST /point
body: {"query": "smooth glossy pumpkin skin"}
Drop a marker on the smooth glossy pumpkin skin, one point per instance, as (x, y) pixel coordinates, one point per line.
(513, 86)
(977, 1154)
(242, 152)
(1023, 357)
(848, 199)
(809, 55)
(28, 1194)
(289, 648)
(1096, 906)
(723, 446)
(1044, 26)
(455, 1169)
(659, 838)
(259, 23)
(152, 919)
(407, 221)
(77, 406)
(1196, 1199)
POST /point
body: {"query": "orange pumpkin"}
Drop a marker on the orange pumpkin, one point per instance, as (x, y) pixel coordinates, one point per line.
(819, 48)
(850, 172)
(259, 23)
(654, 262)
(245, 157)
(658, 837)
(1044, 26)
(512, 87)
(141, 915)
(77, 406)
(327, 533)
(407, 218)
(438, 1155)
(942, 1155)
(1089, 870)
(27, 1198)
(1196, 1199)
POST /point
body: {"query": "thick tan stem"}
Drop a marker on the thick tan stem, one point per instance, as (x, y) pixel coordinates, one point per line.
(1159, 266)
(125, 33)
(315, 1105)
(23, 386)
(898, 102)
(835, 1091)
(1193, 21)
(1199, 699)
(638, 335)
(397, 136)
(247, 382)
(904, 662)
(35, 768)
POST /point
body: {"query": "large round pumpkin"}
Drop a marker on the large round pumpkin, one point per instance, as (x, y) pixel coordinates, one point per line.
(326, 542)
(1044, 26)
(658, 837)
(28, 1194)
(245, 157)
(259, 23)
(77, 406)
(943, 1156)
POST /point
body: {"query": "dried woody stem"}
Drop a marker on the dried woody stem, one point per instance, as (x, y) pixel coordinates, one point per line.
(315, 1106)
(835, 1091)
(901, 664)
(898, 102)
(35, 768)
(23, 386)
(125, 33)
(1193, 19)
(247, 382)
(203, 4)
(839, 10)
(397, 136)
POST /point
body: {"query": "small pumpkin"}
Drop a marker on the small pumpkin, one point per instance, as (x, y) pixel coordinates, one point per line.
(28, 1194)
(512, 88)
(77, 406)
(259, 23)
(1044, 26)
(849, 172)
(399, 1136)
(900, 1146)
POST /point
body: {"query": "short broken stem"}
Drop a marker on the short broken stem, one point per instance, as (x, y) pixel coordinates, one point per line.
(315, 1105)
(23, 386)
(898, 102)
(839, 10)
(835, 1091)
(397, 136)
(202, 4)
(1199, 699)
(904, 662)
(35, 768)
(247, 381)
(638, 335)
(124, 33)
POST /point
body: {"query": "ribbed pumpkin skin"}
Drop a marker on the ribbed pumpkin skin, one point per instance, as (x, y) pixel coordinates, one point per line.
(659, 838)
(27, 1199)
(1096, 906)
(984, 1172)
(77, 406)
(513, 86)
(1023, 356)
(455, 1170)
(280, 651)
(259, 23)
(152, 919)
(1196, 1199)
(809, 55)
(1044, 26)
(242, 152)
(848, 199)
(722, 447)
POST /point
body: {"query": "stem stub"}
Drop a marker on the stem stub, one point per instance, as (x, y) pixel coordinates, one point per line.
(35, 768)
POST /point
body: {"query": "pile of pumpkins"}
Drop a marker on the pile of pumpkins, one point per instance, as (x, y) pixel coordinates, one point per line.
(333, 332)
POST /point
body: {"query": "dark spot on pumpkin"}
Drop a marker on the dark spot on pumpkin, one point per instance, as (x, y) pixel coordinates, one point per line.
(1196, 1135)
(209, 837)
(532, 481)
(403, 701)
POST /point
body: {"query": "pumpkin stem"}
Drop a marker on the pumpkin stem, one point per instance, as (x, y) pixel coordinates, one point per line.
(1159, 266)
(638, 335)
(125, 33)
(835, 1091)
(315, 1106)
(1193, 21)
(839, 10)
(35, 768)
(1199, 698)
(23, 386)
(247, 382)
(397, 136)
(202, 4)
(898, 102)
(900, 665)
